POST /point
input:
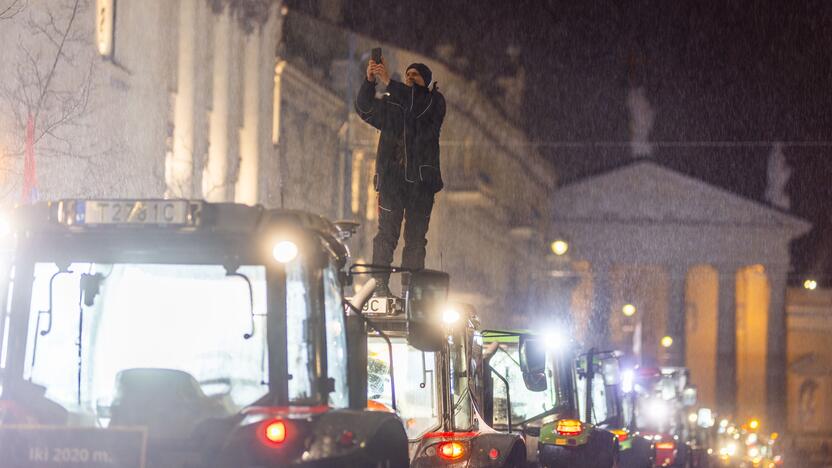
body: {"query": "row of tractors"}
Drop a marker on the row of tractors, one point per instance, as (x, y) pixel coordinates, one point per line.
(179, 334)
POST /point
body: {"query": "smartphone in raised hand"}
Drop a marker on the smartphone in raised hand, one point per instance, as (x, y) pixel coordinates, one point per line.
(376, 55)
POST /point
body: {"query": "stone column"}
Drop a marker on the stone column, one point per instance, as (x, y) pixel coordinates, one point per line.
(776, 361)
(676, 313)
(247, 187)
(215, 180)
(179, 167)
(726, 340)
(599, 325)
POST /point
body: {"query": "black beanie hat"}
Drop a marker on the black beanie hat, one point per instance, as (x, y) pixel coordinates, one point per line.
(423, 70)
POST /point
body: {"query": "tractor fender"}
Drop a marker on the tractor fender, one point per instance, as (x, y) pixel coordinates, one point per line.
(510, 450)
(360, 436)
(484, 450)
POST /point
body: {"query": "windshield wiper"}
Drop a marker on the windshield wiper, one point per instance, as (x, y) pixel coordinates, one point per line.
(386, 338)
(62, 269)
(229, 272)
(88, 290)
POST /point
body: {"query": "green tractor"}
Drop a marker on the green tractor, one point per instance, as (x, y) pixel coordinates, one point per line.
(535, 391)
(602, 403)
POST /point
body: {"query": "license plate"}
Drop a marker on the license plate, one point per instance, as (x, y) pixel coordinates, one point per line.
(174, 212)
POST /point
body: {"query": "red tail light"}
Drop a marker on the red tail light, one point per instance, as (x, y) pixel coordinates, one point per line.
(621, 434)
(569, 427)
(452, 450)
(273, 432)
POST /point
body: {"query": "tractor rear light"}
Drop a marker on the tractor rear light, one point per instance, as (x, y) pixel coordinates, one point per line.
(621, 434)
(493, 454)
(569, 427)
(346, 439)
(451, 450)
(273, 432)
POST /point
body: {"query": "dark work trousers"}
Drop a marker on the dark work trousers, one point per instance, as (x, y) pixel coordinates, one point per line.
(413, 204)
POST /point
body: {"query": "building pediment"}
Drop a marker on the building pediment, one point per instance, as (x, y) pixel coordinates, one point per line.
(645, 192)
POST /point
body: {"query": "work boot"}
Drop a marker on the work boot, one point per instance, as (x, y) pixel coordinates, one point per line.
(382, 289)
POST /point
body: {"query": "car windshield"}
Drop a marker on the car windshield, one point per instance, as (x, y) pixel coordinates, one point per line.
(122, 335)
(417, 399)
(525, 403)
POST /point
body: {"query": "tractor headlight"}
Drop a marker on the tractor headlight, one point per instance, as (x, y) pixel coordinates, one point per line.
(450, 315)
(285, 251)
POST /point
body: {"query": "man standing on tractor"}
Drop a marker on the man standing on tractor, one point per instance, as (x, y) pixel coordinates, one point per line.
(407, 175)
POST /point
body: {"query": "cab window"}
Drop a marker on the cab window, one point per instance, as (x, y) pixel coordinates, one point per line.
(525, 404)
(336, 338)
(417, 397)
(460, 395)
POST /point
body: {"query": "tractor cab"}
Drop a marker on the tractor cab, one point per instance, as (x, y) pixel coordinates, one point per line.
(535, 392)
(428, 369)
(601, 402)
(659, 406)
(174, 333)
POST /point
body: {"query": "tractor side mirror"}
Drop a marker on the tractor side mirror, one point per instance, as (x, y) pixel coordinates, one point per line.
(425, 298)
(533, 363)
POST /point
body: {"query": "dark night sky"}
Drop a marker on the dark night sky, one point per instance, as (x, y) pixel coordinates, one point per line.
(714, 71)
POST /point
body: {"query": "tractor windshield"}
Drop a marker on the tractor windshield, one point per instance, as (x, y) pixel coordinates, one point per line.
(525, 404)
(417, 391)
(107, 340)
(605, 400)
(104, 341)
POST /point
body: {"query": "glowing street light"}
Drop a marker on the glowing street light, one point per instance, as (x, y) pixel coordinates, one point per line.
(810, 284)
(667, 341)
(628, 310)
(559, 247)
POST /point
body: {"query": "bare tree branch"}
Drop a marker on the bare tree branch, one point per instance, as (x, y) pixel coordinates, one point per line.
(11, 10)
(51, 72)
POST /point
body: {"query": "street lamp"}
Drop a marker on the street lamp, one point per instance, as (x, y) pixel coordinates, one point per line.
(559, 247)
(667, 341)
(628, 310)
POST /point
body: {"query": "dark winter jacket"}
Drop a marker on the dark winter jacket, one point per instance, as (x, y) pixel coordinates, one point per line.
(414, 114)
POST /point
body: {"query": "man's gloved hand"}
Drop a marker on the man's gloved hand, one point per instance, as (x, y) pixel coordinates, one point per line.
(370, 74)
(378, 70)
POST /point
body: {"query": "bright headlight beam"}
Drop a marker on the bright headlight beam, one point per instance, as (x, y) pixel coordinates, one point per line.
(555, 340)
(628, 378)
(658, 410)
(285, 251)
(450, 316)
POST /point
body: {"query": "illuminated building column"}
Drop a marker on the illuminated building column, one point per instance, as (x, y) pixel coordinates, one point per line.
(215, 180)
(776, 361)
(676, 313)
(726, 344)
(180, 164)
(247, 182)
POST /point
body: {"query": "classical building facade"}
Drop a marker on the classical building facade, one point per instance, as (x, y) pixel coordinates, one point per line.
(701, 265)
(149, 99)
